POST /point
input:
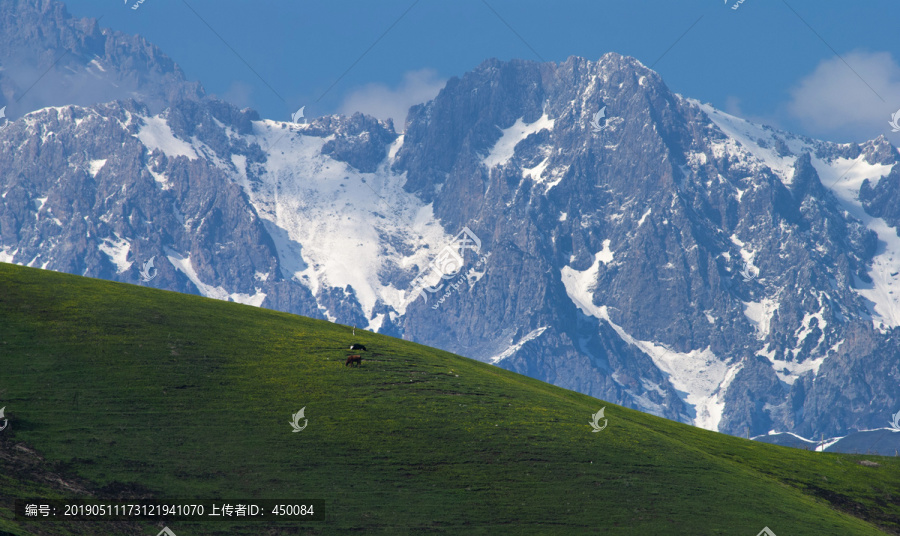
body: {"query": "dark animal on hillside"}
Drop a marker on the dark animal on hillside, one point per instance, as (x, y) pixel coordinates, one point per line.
(357, 347)
(353, 359)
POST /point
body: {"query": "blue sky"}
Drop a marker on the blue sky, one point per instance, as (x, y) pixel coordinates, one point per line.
(828, 69)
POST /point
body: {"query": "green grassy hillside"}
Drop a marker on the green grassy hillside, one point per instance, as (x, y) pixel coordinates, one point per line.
(126, 392)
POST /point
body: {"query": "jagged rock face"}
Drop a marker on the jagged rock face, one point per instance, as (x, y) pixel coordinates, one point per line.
(107, 203)
(649, 223)
(50, 58)
(605, 234)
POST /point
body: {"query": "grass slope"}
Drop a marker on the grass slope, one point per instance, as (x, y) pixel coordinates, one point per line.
(119, 390)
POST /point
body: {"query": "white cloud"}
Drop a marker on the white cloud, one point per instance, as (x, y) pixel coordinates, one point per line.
(832, 102)
(383, 102)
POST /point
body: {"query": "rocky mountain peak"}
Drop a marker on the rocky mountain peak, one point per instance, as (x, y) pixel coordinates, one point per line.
(79, 62)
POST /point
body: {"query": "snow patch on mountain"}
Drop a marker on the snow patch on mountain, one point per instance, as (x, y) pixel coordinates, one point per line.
(807, 327)
(744, 139)
(605, 255)
(747, 255)
(825, 445)
(505, 147)
(792, 434)
(352, 225)
(644, 217)
(844, 177)
(117, 250)
(183, 264)
(642, 401)
(537, 172)
(395, 147)
(95, 166)
(96, 64)
(160, 178)
(789, 371)
(760, 314)
(582, 282)
(699, 376)
(156, 134)
(6, 255)
(517, 346)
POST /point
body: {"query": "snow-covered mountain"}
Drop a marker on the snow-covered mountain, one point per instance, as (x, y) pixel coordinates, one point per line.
(48, 57)
(576, 222)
